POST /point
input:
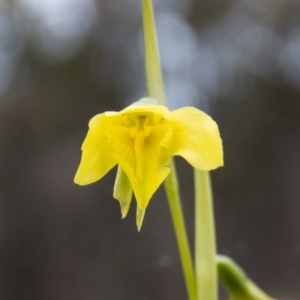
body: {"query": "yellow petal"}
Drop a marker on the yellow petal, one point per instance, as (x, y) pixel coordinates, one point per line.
(146, 105)
(123, 191)
(145, 168)
(196, 138)
(140, 213)
(96, 160)
(146, 101)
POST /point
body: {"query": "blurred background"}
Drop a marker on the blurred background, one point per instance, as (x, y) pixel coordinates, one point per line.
(63, 61)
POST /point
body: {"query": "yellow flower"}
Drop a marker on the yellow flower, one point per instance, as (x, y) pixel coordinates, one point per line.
(141, 139)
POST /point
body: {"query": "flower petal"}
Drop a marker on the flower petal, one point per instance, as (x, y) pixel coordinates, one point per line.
(123, 191)
(140, 214)
(146, 169)
(96, 160)
(143, 105)
(196, 138)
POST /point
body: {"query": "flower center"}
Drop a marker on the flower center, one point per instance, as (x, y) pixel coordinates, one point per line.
(141, 126)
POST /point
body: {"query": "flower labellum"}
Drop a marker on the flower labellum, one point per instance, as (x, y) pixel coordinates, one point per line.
(141, 139)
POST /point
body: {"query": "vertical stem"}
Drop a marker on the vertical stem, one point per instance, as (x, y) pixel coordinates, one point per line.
(156, 90)
(152, 61)
(172, 191)
(205, 244)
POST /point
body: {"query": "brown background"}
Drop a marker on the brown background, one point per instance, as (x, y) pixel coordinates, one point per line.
(61, 62)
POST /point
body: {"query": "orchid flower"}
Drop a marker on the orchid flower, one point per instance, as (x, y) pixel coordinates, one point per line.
(141, 139)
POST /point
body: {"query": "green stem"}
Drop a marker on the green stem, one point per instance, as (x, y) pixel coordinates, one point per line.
(156, 90)
(236, 281)
(154, 78)
(172, 191)
(205, 244)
